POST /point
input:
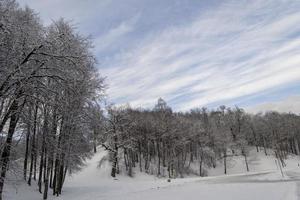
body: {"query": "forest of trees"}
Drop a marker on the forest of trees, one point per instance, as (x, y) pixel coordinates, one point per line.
(171, 144)
(48, 81)
(52, 118)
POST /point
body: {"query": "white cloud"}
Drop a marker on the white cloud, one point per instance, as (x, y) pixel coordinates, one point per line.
(104, 41)
(289, 104)
(223, 54)
(79, 11)
(230, 50)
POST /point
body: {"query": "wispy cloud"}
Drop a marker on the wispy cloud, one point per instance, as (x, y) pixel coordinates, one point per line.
(78, 11)
(289, 104)
(225, 53)
(191, 54)
(107, 39)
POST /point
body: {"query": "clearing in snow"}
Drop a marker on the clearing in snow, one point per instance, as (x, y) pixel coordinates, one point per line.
(94, 183)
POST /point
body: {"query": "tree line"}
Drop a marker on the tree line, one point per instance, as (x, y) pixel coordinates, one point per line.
(171, 144)
(48, 80)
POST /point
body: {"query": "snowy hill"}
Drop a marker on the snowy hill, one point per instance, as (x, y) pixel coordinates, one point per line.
(258, 162)
(264, 181)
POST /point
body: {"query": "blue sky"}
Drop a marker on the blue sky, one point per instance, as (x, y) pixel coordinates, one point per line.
(191, 53)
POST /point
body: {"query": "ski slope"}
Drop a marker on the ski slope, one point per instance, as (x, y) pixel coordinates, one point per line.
(264, 181)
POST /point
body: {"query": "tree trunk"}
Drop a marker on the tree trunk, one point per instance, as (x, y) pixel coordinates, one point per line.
(34, 165)
(158, 155)
(5, 156)
(125, 159)
(246, 161)
(34, 144)
(46, 182)
(225, 163)
(41, 167)
(264, 143)
(130, 161)
(115, 159)
(200, 166)
(140, 157)
(26, 152)
(5, 118)
(95, 142)
(114, 165)
(31, 160)
(33, 148)
(296, 146)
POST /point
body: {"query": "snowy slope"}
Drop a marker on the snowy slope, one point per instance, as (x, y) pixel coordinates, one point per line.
(264, 181)
(258, 162)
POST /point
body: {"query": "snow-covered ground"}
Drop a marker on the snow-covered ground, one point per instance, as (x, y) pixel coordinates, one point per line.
(264, 181)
